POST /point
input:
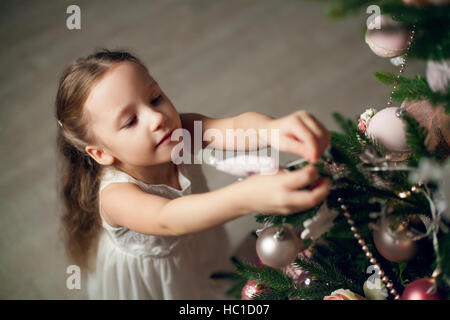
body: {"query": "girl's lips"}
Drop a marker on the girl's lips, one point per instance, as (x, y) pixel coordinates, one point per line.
(165, 140)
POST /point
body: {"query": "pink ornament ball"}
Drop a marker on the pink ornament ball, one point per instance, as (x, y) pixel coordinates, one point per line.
(252, 288)
(388, 130)
(391, 40)
(419, 290)
(421, 3)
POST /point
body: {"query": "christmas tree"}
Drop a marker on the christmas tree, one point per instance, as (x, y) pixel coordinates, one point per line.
(382, 233)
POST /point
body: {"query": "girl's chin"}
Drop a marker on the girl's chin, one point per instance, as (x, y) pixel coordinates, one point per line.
(165, 152)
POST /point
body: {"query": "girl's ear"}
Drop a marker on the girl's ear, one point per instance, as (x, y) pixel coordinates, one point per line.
(99, 155)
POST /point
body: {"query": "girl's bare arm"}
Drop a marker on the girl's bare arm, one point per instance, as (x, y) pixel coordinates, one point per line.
(125, 204)
(299, 133)
(244, 127)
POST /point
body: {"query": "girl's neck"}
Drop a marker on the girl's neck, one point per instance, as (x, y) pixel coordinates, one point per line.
(164, 173)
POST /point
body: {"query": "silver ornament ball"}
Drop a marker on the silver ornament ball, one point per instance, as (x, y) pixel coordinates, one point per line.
(395, 246)
(387, 129)
(278, 247)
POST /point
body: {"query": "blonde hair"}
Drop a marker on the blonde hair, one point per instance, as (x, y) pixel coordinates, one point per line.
(80, 174)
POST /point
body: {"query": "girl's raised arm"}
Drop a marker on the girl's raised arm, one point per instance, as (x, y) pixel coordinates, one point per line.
(245, 127)
(125, 204)
(299, 133)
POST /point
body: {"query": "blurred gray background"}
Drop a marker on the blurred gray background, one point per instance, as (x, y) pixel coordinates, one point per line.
(216, 57)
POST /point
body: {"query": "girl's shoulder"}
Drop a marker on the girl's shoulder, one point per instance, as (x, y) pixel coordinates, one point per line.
(111, 175)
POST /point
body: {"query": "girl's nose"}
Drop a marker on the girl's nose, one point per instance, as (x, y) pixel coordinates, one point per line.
(157, 120)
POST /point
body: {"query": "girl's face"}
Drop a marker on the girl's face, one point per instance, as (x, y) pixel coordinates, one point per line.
(130, 115)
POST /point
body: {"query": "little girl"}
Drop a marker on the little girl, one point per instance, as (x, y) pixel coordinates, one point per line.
(143, 227)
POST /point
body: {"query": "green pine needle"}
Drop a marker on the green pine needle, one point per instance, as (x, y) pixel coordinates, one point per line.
(274, 278)
(416, 88)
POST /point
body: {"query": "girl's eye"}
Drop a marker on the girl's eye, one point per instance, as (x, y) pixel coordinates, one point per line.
(131, 122)
(156, 100)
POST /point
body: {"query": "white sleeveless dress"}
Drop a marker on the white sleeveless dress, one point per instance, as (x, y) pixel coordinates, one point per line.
(131, 265)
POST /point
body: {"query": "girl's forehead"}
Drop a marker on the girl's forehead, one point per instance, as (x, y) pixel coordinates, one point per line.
(123, 73)
(120, 86)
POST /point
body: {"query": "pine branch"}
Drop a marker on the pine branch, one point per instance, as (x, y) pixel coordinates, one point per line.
(354, 138)
(431, 22)
(413, 89)
(348, 126)
(432, 25)
(272, 295)
(346, 147)
(328, 267)
(236, 288)
(415, 136)
(274, 278)
(344, 152)
(421, 206)
(295, 219)
(316, 291)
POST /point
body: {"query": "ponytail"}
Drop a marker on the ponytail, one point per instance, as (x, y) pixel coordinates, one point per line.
(80, 174)
(80, 218)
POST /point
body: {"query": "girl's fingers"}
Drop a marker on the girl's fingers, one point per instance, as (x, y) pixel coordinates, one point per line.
(322, 134)
(324, 130)
(294, 146)
(303, 200)
(301, 178)
(312, 124)
(310, 141)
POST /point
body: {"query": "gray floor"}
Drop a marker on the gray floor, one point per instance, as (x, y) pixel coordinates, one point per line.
(219, 58)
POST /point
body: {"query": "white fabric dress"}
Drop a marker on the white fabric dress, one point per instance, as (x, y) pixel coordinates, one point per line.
(131, 265)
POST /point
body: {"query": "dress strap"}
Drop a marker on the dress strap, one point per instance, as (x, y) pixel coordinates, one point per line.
(111, 175)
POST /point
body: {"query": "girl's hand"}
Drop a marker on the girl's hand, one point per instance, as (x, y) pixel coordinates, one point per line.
(301, 133)
(280, 194)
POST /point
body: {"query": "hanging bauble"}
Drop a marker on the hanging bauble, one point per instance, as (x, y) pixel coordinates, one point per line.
(279, 246)
(435, 120)
(258, 263)
(391, 40)
(439, 2)
(418, 3)
(300, 277)
(253, 288)
(421, 3)
(342, 294)
(438, 75)
(421, 289)
(387, 129)
(394, 238)
(375, 290)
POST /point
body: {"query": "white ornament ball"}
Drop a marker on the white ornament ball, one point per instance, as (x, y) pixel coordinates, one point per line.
(391, 40)
(438, 75)
(245, 165)
(388, 130)
(278, 247)
(375, 290)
